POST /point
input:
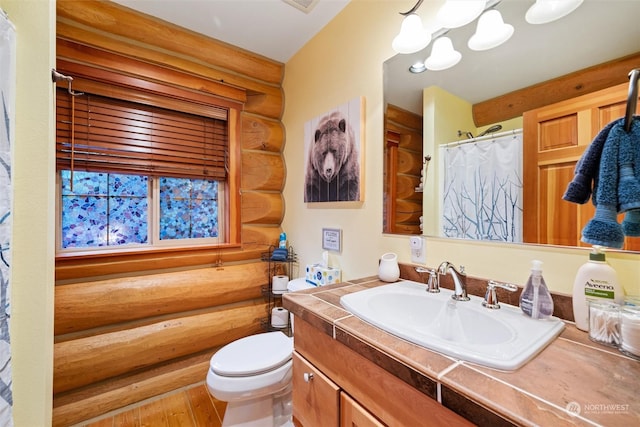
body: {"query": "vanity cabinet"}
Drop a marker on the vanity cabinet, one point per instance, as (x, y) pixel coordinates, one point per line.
(347, 389)
(318, 401)
(555, 137)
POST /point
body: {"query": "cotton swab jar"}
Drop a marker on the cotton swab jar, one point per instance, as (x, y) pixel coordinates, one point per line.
(604, 322)
(630, 331)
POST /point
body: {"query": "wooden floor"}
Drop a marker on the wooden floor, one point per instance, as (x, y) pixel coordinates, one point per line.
(189, 407)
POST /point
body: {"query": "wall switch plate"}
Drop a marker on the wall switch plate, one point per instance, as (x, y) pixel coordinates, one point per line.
(418, 250)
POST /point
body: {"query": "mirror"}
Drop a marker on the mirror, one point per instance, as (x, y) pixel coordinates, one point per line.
(596, 32)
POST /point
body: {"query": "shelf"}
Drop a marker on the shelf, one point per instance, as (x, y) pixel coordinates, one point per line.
(274, 299)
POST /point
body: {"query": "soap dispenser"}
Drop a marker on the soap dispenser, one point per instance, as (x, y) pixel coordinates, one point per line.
(535, 300)
(595, 280)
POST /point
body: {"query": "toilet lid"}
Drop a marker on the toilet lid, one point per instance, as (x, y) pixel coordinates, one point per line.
(252, 355)
(298, 284)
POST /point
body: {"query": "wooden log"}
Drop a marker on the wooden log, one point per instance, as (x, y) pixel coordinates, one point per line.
(408, 211)
(262, 171)
(262, 208)
(409, 162)
(407, 229)
(260, 237)
(70, 268)
(406, 187)
(411, 140)
(86, 305)
(112, 18)
(85, 361)
(261, 133)
(404, 118)
(97, 399)
(591, 79)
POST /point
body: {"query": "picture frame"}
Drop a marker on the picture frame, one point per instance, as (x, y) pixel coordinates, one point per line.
(332, 239)
(334, 154)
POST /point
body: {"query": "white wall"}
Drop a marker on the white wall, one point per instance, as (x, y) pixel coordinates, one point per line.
(343, 62)
(32, 244)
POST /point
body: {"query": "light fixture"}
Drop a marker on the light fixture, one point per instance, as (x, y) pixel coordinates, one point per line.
(544, 11)
(413, 37)
(456, 13)
(491, 31)
(443, 55)
(418, 67)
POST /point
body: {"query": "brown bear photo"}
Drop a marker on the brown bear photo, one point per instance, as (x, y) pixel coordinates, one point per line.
(333, 163)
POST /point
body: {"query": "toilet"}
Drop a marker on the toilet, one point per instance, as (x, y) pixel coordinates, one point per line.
(253, 375)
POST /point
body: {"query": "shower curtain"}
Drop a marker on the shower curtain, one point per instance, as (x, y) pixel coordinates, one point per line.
(7, 107)
(481, 188)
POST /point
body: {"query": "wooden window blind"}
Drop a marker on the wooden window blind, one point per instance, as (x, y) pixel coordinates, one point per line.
(111, 135)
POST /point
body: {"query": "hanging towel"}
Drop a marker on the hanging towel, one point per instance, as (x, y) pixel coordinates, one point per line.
(585, 180)
(616, 184)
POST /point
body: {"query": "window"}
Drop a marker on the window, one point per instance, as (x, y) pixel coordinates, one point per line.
(109, 209)
(136, 175)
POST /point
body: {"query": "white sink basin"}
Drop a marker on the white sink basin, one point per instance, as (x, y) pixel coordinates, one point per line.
(502, 339)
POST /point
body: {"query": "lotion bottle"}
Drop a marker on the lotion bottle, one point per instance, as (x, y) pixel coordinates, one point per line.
(535, 300)
(595, 280)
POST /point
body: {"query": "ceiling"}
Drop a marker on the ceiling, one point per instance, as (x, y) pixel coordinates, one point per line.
(276, 29)
(598, 31)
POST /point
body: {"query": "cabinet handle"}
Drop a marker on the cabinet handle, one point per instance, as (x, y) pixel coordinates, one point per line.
(308, 376)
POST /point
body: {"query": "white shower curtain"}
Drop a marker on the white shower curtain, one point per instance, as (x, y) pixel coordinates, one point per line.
(7, 107)
(481, 188)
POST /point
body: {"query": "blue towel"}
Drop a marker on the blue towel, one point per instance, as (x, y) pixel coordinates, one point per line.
(629, 169)
(618, 187)
(586, 173)
(631, 223)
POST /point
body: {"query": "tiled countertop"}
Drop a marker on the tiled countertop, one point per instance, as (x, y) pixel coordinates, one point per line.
(573, 381)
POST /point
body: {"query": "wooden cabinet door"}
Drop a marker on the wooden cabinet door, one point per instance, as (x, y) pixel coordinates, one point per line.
(316, 399)
(354, 415)
(555, 137)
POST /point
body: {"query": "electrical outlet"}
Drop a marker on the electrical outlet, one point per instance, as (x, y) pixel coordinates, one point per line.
(418, 250)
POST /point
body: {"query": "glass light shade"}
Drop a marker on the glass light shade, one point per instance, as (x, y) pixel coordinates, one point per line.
(412, 37)
(544, 11)
(491, 31)
(456, 13)
(418, 67)
(443, 55)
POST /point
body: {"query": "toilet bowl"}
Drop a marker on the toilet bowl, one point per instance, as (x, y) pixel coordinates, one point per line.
(253, 375)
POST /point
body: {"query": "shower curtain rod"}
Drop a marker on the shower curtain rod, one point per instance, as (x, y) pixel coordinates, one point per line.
(483, 138)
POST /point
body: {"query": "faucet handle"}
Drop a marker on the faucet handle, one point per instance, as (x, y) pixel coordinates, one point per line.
(491, 296)
(433, 284)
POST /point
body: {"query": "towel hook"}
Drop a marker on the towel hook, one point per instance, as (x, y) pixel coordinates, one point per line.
(632, 98)
(58, 77)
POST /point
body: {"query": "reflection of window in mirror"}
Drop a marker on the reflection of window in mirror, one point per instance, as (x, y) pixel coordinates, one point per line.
(403, 166)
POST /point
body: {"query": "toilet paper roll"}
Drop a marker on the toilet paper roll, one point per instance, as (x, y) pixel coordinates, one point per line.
(279, 317)
(279, 284)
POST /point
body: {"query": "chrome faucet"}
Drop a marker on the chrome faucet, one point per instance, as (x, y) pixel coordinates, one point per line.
(459, 280)
(433, 284)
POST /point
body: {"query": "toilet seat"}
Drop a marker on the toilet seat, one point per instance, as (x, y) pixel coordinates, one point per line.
(252, 355)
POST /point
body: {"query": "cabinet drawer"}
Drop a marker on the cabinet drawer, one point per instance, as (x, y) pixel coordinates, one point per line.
(316, 399)
(354, 415)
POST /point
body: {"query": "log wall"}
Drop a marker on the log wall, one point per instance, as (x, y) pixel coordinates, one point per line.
(403, 167)
(132, 326)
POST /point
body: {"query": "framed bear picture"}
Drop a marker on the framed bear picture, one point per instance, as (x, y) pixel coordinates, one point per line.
(334, 147)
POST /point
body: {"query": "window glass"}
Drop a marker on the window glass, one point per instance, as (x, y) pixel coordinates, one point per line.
(102, 209)
(112, 210)
(188, 208)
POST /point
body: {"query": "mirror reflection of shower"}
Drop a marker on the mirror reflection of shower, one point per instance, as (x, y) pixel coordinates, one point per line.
(491, 129)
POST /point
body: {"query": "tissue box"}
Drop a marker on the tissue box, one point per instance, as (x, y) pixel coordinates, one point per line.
(320, 276)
